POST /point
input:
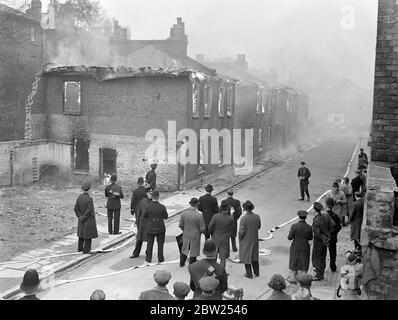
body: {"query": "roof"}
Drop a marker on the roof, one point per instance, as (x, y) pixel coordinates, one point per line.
(111, 73)
(17, 13)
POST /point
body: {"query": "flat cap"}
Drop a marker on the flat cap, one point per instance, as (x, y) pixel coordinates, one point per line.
(302, 162)
(86, 186)
(208, 284)
(302, 213)
(162, 276)
(318, 206)
(181, 289)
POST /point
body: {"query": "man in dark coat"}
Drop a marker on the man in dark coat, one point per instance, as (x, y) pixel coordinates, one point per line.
(355, 218)
(208, 267)
(220, 228)
(192, 225)
(358, 184)
(320, 227)
(138, 194)
(140, 221)
(301, 234)
(249, 225)
(160, 292)
(155, 214)
(330, 204)
(304, 174)
(114, 193)
(208, 206)
(150, 177)
(86, 227)
(236, 208)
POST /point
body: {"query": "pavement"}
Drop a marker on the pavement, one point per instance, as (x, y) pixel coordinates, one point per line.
(274, 193)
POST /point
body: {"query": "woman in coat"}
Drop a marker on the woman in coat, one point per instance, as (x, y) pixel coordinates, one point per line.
(301, 234)
(347, 189)
(87, 226)
(249, 225)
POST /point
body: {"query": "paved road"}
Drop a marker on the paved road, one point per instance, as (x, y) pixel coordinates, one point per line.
(274, 193)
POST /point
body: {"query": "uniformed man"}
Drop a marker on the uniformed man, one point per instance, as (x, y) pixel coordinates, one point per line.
(181, 290)
(320, 242)
(208, 206)
(160, 292)
(192, 225)
(150, 177)
(155, 214)
(138, 194)
(208, 285)
(87, 226)
(304, 174)
(208, 267)
(236, 209)
(330, 204)
(114, 193)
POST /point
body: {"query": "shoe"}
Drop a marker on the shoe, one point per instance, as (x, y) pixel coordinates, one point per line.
(308, 199)
(117, 232)
(160, 261)
(333, 268)
(257, 275)
(247, 276)
(110, 233)
(317, 278)
(148, 261)
(234, 249)
(301, 199)
(133, 256)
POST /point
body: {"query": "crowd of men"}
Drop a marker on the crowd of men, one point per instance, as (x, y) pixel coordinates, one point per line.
(219, 224)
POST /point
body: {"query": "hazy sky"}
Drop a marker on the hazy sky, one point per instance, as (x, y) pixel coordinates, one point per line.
(304, 37)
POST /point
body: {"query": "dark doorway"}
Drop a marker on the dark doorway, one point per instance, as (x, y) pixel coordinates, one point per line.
(107, 161)
(81, 154)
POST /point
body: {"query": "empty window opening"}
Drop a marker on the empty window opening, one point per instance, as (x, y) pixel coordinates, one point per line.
(81, 157)
(195, 100)
(221, 95)
(107, 161)
(72, 97)
(229, 102)
(207, 101)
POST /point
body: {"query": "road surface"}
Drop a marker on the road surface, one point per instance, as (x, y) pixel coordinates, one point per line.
(275, 195)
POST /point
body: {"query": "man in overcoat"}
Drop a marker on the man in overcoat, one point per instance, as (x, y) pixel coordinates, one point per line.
(141, 236)
(220, 228)
(150, 177)
(301, 234)
(249, 225)
(236, 209)
(356, 217)
(192, 225)
(138, 194)
(320, 227)
(358, 184)
(155, 214)
(304, 175)
(208, 267)
(114, 193)
(335, 228)
(160, 292)
(209, 207)
(87, 226)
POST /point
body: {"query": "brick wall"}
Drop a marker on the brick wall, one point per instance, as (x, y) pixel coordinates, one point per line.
(385, 112)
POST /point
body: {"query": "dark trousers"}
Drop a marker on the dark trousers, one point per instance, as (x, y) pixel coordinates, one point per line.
(183, 259)
(137, 249)
(256, 269)
(358, 246)
(113, 220)
(304, 189)
(160, 240)
(84, 245)
(332, 255)
(319, 259)
(233, 243)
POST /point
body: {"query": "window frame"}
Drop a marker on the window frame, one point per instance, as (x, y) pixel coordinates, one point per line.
(195, 100)
(66, 112)
(221, 99)
(229, 108)
(208, 95)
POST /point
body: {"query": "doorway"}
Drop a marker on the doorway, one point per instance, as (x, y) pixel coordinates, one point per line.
(107, 161)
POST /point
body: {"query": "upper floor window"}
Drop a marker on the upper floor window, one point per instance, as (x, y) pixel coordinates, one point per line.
(33, 35)
(263, 101)
(258, 102)
(195, 100)
(207, 101)
(260, 140)
(221, 95)
(72, 97)
(229, 101)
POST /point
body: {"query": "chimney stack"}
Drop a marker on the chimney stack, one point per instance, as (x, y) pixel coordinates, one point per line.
(178, 40)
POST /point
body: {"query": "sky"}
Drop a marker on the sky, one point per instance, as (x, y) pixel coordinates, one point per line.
(318, 40)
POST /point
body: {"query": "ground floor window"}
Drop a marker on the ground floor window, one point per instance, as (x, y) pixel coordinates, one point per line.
(260, 140)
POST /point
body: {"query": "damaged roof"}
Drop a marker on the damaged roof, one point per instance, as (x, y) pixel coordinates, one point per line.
(111, 73)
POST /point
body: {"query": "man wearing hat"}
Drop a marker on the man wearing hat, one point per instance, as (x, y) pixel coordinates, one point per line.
(248, 240)
(220, 228)
(192, 225)
(208, 267)
(209, 207)
(339, 201)
(160, 292)
(358, 184)
(87, 226)
(155, 214)
(138, 194)
(141, 222)
(362, 159)
(150, 177)
(355, 218)
(235, 207)
(114, 193)
(321, 241)
(301, 234)
(181, 290)
(304, 174)
(335, 228)
(30, 285)
(208, 285)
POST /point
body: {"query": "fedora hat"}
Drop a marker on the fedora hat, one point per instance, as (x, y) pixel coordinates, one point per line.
(209, 248)
(209, 188)
(194, 202)
(30, 283)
